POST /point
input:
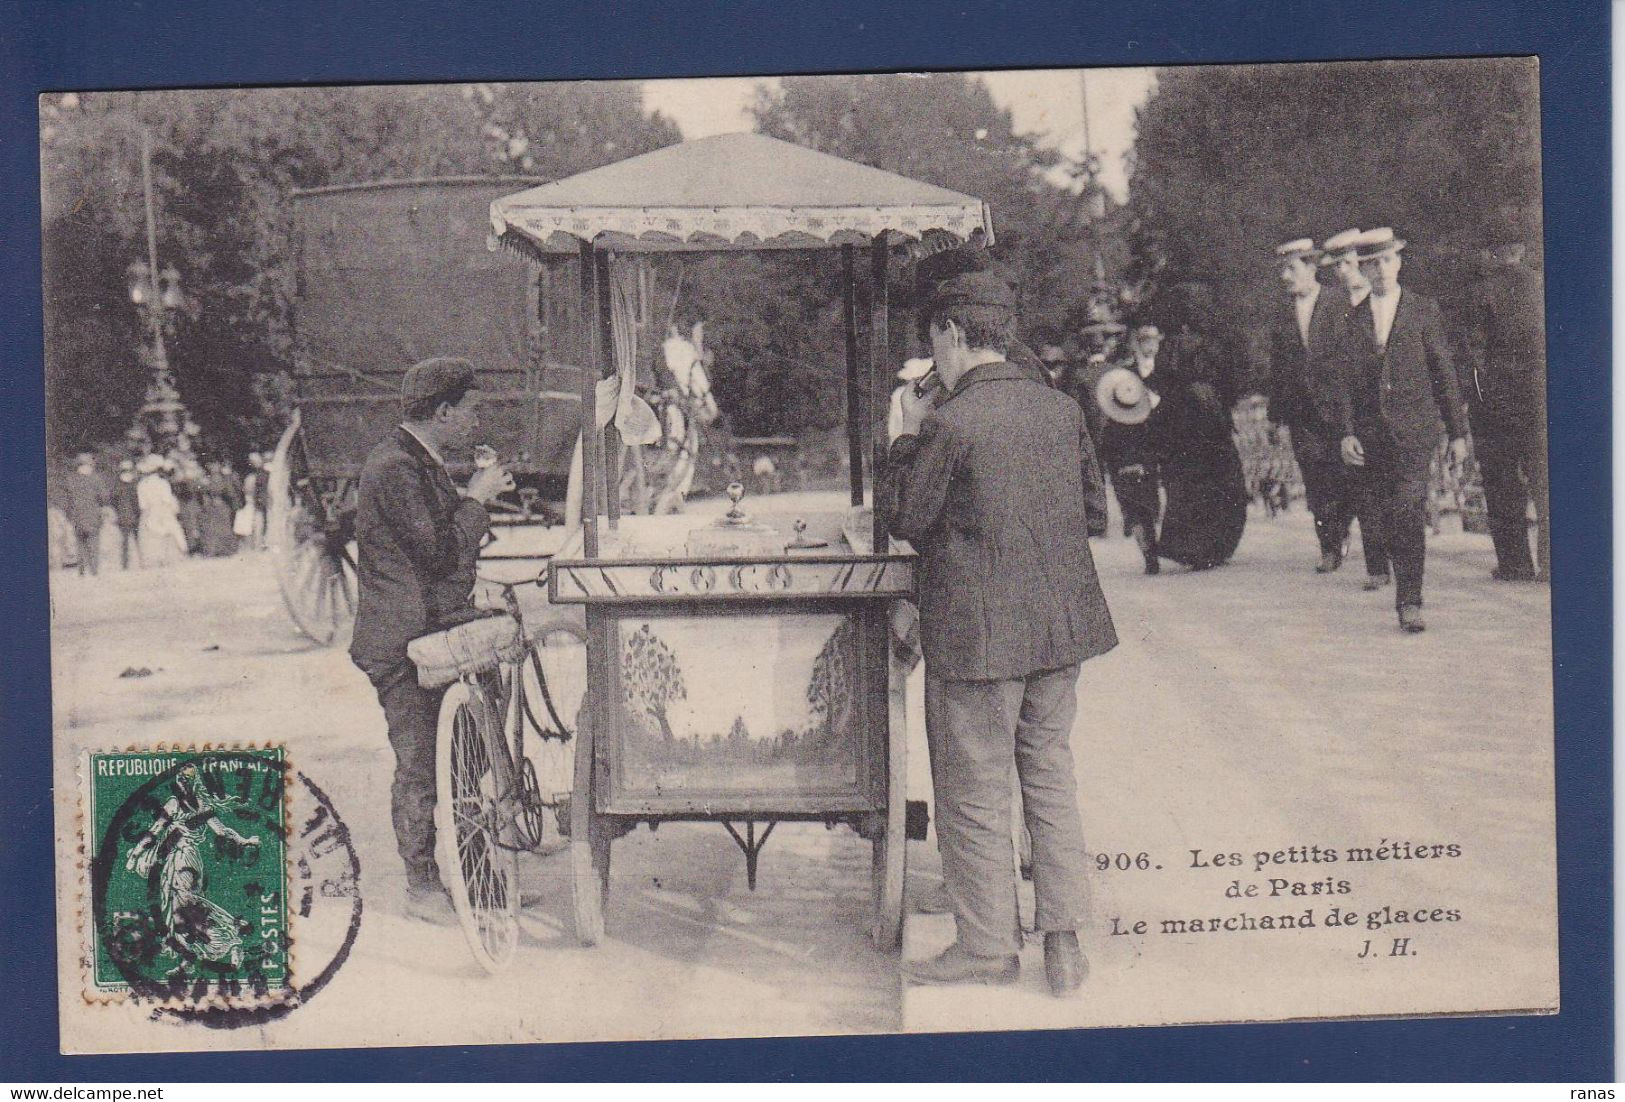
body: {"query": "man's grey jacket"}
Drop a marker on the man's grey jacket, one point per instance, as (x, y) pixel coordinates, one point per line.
(999, 493)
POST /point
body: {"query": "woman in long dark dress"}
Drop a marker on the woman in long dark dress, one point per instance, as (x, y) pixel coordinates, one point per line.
(1206, 507)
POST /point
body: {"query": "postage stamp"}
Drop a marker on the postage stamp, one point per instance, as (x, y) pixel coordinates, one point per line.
(189, 874)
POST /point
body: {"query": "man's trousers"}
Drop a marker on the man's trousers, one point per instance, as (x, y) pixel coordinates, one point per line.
(90, 551)
(413, 715)
(128, 538)
(1393, 490)
(974, 730)
(1512, 460)
(1326, 486)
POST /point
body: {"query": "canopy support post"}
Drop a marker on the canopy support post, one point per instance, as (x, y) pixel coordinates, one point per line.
(589, 406)
(609, 443)
(879, 361)
(855, 428)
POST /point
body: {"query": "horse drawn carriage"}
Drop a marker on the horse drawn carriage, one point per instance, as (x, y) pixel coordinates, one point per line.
(388, 274)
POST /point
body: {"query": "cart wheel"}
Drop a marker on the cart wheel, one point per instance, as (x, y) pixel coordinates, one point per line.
(891, 841)
(481, 873)
(590, 837)
(313, 569)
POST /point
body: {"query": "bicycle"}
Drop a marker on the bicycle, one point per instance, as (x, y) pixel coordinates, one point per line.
(490, 802)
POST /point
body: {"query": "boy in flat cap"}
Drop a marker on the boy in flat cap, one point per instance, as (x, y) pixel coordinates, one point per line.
(418, 540)
(996, 488)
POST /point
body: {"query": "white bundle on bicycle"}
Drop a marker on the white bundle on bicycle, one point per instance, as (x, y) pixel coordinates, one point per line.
(470, 648)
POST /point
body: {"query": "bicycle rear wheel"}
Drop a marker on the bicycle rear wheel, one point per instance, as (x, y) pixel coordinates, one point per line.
(481, 873)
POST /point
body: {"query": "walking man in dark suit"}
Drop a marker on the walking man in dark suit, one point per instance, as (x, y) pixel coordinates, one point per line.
(89, 498)
(1338, 254)
(1506, 397)
(1305, 393)
(418, 540)
(994, 488)
(1401, 383)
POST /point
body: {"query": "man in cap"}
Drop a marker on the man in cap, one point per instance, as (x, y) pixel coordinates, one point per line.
(1401, 383)
(418, 540)
(127, 511)
(88, 500)
(1506, 397)
(993, 485)
(1305, 392)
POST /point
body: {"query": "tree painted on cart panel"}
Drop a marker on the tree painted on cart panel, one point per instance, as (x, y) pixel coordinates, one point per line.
(651, 679)
(832, 690)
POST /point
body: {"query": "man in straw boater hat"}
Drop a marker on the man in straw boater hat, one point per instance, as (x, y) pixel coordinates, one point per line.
(418, 538)
(1401, 385)
(993, 485)
(1338, 254)
(1306, 389)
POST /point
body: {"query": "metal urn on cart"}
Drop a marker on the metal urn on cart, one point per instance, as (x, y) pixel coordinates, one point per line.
(742, 670)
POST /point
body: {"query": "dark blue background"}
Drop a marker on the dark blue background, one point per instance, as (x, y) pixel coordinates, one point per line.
(118, 43)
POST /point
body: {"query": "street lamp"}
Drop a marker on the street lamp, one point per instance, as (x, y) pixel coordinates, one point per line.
(162, 423)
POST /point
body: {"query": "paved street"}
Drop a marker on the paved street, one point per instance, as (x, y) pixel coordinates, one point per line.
(1254, 708)
(1260, 707)
(690, 951)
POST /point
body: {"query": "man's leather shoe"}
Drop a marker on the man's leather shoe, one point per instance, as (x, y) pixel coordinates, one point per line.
(955, 965)
(431, 905)
(1410, 619)
(1329, 562)
(1501, 574)
(1064, 963)
(1148, 549)
(1374, 582)
(932, 900)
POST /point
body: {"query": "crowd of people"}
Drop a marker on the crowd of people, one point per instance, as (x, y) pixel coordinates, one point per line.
(155, 509)
(1365, 395)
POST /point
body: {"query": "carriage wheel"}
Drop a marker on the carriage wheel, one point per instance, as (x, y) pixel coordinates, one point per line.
(314, 573)
(890, 842)
(590, 836)
(481, 873)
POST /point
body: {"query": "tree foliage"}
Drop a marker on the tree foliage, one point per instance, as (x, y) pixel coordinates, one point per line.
(224, 163)
(775, 321)
(1230, 161)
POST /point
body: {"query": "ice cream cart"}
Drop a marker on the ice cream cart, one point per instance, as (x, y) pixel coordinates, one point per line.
(740, 670)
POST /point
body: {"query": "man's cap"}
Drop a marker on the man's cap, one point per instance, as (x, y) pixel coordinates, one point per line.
(1299, 247)
(983, 288)
(1147, 330)
(1338, 244)
(1374, 243)
(917, 368)
(126, 465)
(85, 457)
(1123, 396)
(437, 376)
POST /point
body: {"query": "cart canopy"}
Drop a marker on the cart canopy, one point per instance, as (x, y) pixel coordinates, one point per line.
(731, 191)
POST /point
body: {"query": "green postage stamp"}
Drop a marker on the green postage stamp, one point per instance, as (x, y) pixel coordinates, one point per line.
(188, 873)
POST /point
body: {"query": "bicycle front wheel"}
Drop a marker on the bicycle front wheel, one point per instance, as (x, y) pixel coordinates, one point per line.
(481, 873)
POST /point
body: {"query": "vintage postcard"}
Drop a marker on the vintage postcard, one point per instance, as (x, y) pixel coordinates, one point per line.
(795, 556)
